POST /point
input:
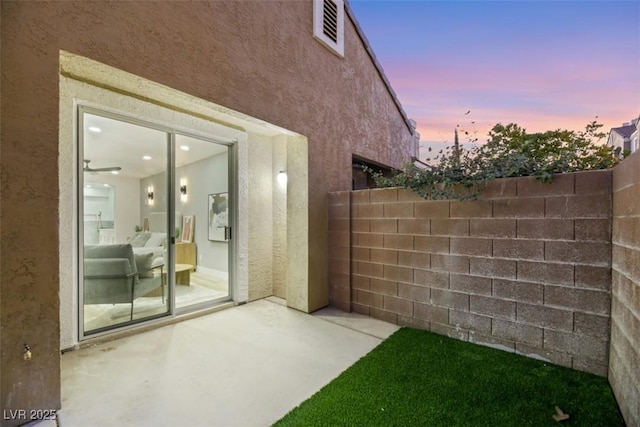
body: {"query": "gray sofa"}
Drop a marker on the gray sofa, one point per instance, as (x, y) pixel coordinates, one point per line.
(114, 275)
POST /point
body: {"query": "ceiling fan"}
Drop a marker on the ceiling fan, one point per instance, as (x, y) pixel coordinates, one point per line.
(109, 169)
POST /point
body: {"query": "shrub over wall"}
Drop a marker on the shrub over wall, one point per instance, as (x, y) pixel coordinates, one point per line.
(510, 151)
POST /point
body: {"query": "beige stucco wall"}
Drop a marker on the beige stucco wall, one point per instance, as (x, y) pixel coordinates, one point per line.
(257, 58)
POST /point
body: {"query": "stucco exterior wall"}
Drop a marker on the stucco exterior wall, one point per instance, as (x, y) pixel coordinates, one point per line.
(258, 58)
(624, 353)
(525, 269)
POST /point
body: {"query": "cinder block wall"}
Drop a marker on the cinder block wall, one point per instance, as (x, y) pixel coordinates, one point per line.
(527, 268)
(624, 367)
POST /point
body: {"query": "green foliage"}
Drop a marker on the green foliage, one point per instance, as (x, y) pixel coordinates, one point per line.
(510, 151)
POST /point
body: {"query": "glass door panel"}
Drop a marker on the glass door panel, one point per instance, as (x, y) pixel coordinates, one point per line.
(124, 237)
(201, 222)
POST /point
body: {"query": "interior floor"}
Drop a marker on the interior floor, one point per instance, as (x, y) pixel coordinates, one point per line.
(201, 288)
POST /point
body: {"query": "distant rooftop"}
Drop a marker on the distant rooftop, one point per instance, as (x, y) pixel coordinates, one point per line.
(624, 131)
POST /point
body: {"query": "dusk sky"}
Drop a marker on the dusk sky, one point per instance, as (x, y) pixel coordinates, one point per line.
(541, 64)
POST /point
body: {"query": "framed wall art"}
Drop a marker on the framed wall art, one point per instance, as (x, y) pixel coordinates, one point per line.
(218, 216)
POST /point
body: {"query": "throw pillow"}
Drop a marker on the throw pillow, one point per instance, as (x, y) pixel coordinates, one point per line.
(143, 263)
(139, 239)
(156, 239)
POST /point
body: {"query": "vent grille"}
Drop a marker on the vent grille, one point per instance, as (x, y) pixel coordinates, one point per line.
(330, 20)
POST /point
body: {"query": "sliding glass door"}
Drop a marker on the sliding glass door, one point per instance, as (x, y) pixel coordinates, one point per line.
(153, 221)
(202, 222)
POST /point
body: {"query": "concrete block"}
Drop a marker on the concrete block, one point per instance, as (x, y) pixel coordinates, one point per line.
(387, 316)
(431, 244)
(546, 229)
(518, 249)
(414, 259)
(360, 196)
(626, 231)
(627, 201)
(470, 321)
(430, 313)
(384, 287)
(450, 227)
(413, 322)
(398, 274)
(594, 253)
(398, 241)
(592, 324)
(450, 299)
(579, 206)
(586, 364)
(339, 211)
(476, 246)
(545, 272)
(532, 293)
(398, 210)
(471, 209)
(359, 308)
(359, 254)
(531, 186)
(516, 332)
(450, 331)
(398, 305)
(493, 267)
(521, 207)
(545, 317)
(499, 188)
(368, 211)
(491, 341)
(340, 225)
(383, 195)
(406, 195)
(470, 284)
(593, 182)
(576, 344)
(360, 225)
(593, 229)
(384, 225)
(384, 256)
(414, 226)
(588, 300)
(450, 263)
(368, 269)
(360, 282)
(368, 240)
(594, 277)
(493, 307)
(432, 209)
(415, 293)
(535, 352)
(432, 279)
(492, 227)
(627, 173)
(369, 298)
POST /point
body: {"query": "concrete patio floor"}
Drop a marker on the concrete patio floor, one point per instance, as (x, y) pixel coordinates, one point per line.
(243, 366)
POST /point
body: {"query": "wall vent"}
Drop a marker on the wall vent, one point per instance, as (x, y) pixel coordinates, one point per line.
(328, 24)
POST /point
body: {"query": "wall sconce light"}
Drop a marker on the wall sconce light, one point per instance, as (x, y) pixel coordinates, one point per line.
(282, 178)
(150, 195)
(183, 190)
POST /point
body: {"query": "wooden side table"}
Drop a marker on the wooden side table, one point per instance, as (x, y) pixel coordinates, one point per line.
(186, 254)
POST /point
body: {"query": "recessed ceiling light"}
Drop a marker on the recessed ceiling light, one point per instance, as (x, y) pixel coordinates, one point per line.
(88, 185)
(106, 185)
(146, 157)
(184, 147)
(115, 172)
(95, 129)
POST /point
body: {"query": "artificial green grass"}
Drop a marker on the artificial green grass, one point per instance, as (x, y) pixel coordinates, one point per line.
(416, 378)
